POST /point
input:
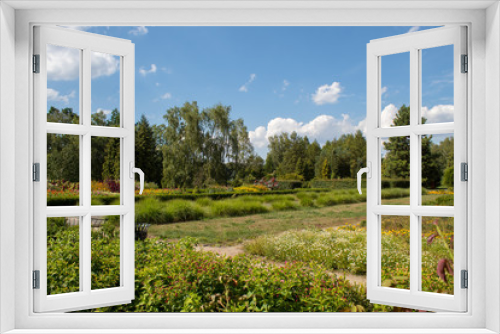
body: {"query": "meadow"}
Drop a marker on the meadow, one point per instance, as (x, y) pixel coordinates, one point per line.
(298, 249)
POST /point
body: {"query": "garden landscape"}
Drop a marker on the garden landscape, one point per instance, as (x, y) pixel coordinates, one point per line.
(220, 229)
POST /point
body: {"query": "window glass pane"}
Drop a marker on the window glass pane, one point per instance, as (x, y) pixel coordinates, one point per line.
(63, 170)
(395, 162)
(63, 255)
(395, 261)
(105, 89)
(105, 252)
(437, 254)
(63, 84)
(438, 169)
(105, 171)
(395, 90)
(437, 85)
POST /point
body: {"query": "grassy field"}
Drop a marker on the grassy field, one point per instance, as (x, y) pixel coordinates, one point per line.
(295, 247)
(222, 231)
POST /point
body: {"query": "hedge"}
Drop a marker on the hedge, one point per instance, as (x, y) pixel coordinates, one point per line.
(289, 184)
(71, 200)
(352, 183)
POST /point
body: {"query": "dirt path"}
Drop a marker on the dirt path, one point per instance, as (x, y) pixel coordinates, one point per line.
(238, 249)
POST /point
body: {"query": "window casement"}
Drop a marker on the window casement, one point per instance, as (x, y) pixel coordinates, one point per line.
(81, 47)
(416, 213)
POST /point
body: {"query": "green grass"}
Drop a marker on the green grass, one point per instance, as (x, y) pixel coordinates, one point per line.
(345, 249)
(237, 207)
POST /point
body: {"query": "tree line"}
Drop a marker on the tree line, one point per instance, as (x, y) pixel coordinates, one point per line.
(205, 147)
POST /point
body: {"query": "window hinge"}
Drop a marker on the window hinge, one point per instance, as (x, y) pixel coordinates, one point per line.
(36, 279)
(36, 63)
(36, 172)
(464, 172)
(465, 64)
(465, 279)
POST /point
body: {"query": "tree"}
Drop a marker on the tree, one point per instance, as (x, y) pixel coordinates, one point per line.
(396, 162)
(63, 160)
(147, 157)
(204, 147)
(325, 169)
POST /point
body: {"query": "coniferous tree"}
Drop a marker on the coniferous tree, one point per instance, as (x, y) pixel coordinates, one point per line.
(147, 156)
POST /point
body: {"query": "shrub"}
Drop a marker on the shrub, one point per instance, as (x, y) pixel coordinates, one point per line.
(151, 211)
(291, 177)
(286, 185)
(237, 207)
(284, 205)
(182, 210)
(448, 177)
(307, 202)
(177, 278)
(204, 201)
(274, 197)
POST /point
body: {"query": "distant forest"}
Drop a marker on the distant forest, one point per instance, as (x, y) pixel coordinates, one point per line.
(202, 148)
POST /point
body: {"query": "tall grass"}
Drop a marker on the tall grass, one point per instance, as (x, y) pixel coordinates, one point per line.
(155, 211)
(237, 207)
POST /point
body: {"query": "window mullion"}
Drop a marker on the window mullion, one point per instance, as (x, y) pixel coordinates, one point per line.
(414, 170)
(85, 183)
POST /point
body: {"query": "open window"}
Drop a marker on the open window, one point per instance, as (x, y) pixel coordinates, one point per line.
(427, 223)
(64, 142)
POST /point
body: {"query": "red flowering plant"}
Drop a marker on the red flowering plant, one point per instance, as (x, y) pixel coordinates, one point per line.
(444, 268)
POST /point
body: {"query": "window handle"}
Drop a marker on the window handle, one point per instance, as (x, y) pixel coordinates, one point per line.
(133, 170)
(368, 171)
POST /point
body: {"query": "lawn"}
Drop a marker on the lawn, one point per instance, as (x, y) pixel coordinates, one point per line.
(231, 230)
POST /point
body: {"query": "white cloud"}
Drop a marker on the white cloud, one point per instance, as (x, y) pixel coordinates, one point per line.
(327, 94)
(383, 90)
(388, 114)
(244, 88)
(139, 31)
(166, 96)
(286, 83)
(322, 128)
(104, 64)
(438, 114)
(63, 64)
(413, 29)
(104, 111)
(54, 95)
(145, 72)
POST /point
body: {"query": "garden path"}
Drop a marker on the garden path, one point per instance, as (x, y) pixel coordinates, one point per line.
(238, 249)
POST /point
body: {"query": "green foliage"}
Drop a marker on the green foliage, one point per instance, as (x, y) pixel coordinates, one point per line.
(345, 249)
(182, 210)
(63, 162)
(147, 157)
(291, 154)
(204, 147)
(285, 185)
(334, 249)
(237, 207)
(325, 169)
(177, 278)
(449, 177)
(284, 205)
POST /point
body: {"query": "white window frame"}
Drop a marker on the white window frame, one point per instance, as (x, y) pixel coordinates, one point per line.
(483, 100)
(86, 43)
(413, 44)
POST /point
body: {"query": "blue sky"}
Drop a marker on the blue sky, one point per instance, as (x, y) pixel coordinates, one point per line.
(308, 79)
